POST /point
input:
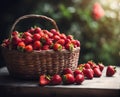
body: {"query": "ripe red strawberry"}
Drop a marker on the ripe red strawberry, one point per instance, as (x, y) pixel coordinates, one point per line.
(44, 38)
(28, 40)
(21, 46)
(54, 32)
(92, 64)
(61, 41)
(70, 37)
(57, 47)
(88, 73)
(77, 71)
(69, 46)
(97, 72)
(36, 37)
(49, 42)
(87, 66)
(16, 40)
(111, 70)
(15, 33)
(78, 43)
(50, 35)
(37, 45)
(37, 30)
(25, 34)
(101, 66)
(45, 47)
(67, 71)
(63, 36)
(79, 78)
(56, 38)
(56, 79)
(44, 80)
(31, 30)
(68, 79)
(29, 48)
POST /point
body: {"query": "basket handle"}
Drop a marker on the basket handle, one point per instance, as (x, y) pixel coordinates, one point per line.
(32, 16)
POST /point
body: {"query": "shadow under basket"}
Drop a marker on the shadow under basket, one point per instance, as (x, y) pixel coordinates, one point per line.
(30, 65)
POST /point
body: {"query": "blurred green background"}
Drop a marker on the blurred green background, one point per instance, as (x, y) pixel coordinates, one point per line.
(100, 38)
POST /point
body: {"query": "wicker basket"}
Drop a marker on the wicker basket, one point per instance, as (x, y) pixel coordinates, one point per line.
(30, 65)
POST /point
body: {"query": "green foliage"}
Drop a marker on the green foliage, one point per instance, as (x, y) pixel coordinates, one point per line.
(100, 40)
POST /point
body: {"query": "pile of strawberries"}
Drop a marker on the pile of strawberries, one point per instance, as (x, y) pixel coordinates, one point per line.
(40, 39)
(88, 70)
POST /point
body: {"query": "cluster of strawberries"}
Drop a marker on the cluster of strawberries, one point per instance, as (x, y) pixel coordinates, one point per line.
(83, 71)
(38, 39)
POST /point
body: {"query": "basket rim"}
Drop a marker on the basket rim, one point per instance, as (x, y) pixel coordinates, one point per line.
(41, 51)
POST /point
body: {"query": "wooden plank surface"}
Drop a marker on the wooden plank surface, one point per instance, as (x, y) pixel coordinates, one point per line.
(97, 87)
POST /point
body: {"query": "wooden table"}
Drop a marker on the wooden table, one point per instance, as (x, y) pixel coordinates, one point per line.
(97, 87)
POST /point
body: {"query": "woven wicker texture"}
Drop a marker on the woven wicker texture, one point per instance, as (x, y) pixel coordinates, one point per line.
(30, 65)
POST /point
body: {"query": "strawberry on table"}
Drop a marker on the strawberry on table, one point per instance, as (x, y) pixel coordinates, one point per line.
(111, 70)
(68, 79)
(44, 80)
(88, 73)
(56, 79)
(97, 72)
(77, 71)
(67, 71)
(101, 66)
(79, 78)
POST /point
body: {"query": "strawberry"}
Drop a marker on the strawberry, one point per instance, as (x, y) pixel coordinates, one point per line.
(92, 64)
(77, 71)
(15, 33)
(25, 34)
(69, 46)
(68, 79)
(57, 47)
(78, 43)
(37, 30)
(79, 78)
(97, 72)
(44, 80)
(16, 40)
(88, 73)
(31, 30)
(70, 37)
(36, 37)
(21, 46)
(56, 38)
(63, 36)
(56, 79)
(61, 41)
(28, 40)
(44, 38)
(101, 66)
(45, 47)
(111, 70)
(87, 66)
(67, 71)
(28, 48)
(54, 32)
(37, 45)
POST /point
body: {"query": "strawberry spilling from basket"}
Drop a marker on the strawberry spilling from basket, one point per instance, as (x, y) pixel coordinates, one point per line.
(84, 71)
(38, 39)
